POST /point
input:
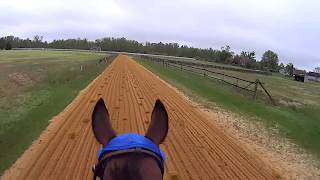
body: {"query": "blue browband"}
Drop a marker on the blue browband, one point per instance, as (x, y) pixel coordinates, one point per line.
(130, 141)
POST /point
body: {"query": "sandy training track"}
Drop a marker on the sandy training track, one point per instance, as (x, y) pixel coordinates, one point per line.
(195, 148)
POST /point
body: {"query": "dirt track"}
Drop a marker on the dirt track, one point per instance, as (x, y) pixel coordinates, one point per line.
(195, 148)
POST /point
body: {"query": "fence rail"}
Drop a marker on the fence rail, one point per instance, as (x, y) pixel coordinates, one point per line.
(240, 83)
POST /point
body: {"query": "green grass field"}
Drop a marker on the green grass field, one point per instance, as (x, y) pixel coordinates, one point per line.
(284, 90)
(300, 124)
(34, 87)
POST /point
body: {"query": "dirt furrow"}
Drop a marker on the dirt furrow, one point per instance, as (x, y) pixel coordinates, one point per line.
(190, 138)
(178, 150)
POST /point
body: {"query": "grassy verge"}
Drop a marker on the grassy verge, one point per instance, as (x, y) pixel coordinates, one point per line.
(25, 111)
(301, 125)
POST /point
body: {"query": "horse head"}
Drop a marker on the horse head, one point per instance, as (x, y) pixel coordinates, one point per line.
(130, 156)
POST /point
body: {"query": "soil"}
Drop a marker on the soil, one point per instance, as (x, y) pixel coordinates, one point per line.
(20, 79)
(291, 161)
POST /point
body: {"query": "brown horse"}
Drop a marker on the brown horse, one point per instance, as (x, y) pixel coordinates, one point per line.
(136, 161)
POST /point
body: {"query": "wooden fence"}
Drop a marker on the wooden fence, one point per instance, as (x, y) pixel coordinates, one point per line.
(241, 84)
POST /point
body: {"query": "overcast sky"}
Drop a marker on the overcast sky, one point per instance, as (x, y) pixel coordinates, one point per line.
(289, 27)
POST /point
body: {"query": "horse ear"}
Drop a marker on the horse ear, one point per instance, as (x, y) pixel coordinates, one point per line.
(158, 128)
(101, 125)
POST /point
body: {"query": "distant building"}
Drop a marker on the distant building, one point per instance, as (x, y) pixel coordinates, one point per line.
(299, 75)
(317, 70)
(312, 76)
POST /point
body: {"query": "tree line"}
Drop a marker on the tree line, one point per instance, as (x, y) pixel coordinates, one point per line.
(268, 62)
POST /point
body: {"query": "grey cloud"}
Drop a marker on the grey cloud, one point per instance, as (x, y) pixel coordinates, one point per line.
(289, 27)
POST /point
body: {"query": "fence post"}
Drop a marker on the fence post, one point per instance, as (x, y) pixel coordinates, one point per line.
(181, 66)
(222, 79)
(255, 88)
(270, 97)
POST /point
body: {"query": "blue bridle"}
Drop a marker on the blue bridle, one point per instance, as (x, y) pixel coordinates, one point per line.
(131, 142)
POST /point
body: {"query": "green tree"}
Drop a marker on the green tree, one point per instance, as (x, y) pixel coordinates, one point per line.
(270, 60)
(223, 55)
(226, 54)
(281, 66)
(37, 40)
(289, 69)
(2, 43)
(250, 55)
(8, 46)
(236, 60)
